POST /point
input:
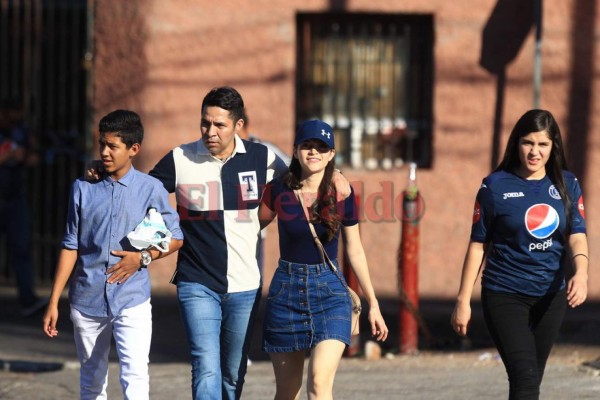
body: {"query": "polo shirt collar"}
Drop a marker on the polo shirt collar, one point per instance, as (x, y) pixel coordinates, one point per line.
(239, 147)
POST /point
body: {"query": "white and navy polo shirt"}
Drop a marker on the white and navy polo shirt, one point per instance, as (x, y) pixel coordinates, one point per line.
(218, 201)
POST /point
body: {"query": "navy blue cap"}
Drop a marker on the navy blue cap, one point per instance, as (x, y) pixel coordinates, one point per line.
(315, 129)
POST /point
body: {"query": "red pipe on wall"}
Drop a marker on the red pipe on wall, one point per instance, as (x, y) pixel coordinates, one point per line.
(408, 267)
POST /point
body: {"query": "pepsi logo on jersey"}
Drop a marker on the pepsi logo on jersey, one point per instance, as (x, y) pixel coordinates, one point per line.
(541, 220)
(543, 246)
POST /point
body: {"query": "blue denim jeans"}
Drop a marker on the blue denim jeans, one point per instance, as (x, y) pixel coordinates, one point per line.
(219, 329)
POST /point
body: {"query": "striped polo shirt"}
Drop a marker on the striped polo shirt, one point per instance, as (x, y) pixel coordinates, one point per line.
(217, 202)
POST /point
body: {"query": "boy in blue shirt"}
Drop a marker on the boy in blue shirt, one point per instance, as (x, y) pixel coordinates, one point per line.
(109, 291)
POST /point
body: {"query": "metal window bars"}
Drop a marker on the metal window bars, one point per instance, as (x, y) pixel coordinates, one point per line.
(356, 73)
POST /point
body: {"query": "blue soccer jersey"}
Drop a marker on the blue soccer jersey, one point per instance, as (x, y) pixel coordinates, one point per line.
(524, 223)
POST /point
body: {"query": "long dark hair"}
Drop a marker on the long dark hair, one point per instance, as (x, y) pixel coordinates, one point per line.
(324, 210)
(537, 121)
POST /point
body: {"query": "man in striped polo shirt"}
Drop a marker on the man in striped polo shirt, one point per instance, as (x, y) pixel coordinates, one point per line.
(218, 182)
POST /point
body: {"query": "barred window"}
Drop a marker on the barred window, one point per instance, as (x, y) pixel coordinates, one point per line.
(370, 76)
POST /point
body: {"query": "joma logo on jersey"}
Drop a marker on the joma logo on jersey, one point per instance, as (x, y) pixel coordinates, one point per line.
(512, 195)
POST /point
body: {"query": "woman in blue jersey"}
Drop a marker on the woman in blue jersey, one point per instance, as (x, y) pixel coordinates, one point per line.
(529, 225)
(308, 306)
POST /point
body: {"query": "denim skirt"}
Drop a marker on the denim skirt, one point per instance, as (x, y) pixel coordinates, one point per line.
(306, 305)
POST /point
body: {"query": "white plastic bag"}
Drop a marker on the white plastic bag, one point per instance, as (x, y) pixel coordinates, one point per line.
(151, 232)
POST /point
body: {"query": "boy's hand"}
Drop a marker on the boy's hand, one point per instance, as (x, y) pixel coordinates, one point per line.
(93, 170)
(49, 321)
(124, 269)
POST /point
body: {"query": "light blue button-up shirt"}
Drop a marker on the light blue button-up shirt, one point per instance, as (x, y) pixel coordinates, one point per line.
(100, 216)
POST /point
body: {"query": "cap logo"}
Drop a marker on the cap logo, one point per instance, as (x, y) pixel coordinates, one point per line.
(315, 129)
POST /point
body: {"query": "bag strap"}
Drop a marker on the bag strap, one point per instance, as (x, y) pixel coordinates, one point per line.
(324, 255)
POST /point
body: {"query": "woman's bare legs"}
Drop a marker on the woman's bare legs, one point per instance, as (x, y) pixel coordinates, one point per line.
(288, 368)
(324, 360)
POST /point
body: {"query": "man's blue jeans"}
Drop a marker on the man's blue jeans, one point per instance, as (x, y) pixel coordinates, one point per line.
(219, 329)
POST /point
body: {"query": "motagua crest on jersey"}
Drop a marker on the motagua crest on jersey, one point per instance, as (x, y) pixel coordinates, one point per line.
(554, 193)
(541, 220)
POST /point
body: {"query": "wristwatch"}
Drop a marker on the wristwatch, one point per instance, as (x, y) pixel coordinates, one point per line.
(146, 258)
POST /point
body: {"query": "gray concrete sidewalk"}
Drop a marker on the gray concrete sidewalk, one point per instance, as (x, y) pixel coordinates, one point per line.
(50, 368)
(428, 375)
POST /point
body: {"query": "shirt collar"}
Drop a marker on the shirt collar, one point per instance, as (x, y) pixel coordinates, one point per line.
(239, 148)
(125, 180)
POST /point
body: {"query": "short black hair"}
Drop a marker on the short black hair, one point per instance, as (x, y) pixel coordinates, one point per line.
(125, 124)
(226, 98)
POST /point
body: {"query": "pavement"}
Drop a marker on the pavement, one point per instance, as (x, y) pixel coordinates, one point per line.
(444, 367)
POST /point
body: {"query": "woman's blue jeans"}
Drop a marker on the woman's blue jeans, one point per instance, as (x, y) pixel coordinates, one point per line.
(219, 329)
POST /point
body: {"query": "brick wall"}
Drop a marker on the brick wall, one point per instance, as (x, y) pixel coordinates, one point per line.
(161, 57)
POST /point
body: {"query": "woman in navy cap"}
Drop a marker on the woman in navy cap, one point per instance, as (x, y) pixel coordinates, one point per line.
(308, 306)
